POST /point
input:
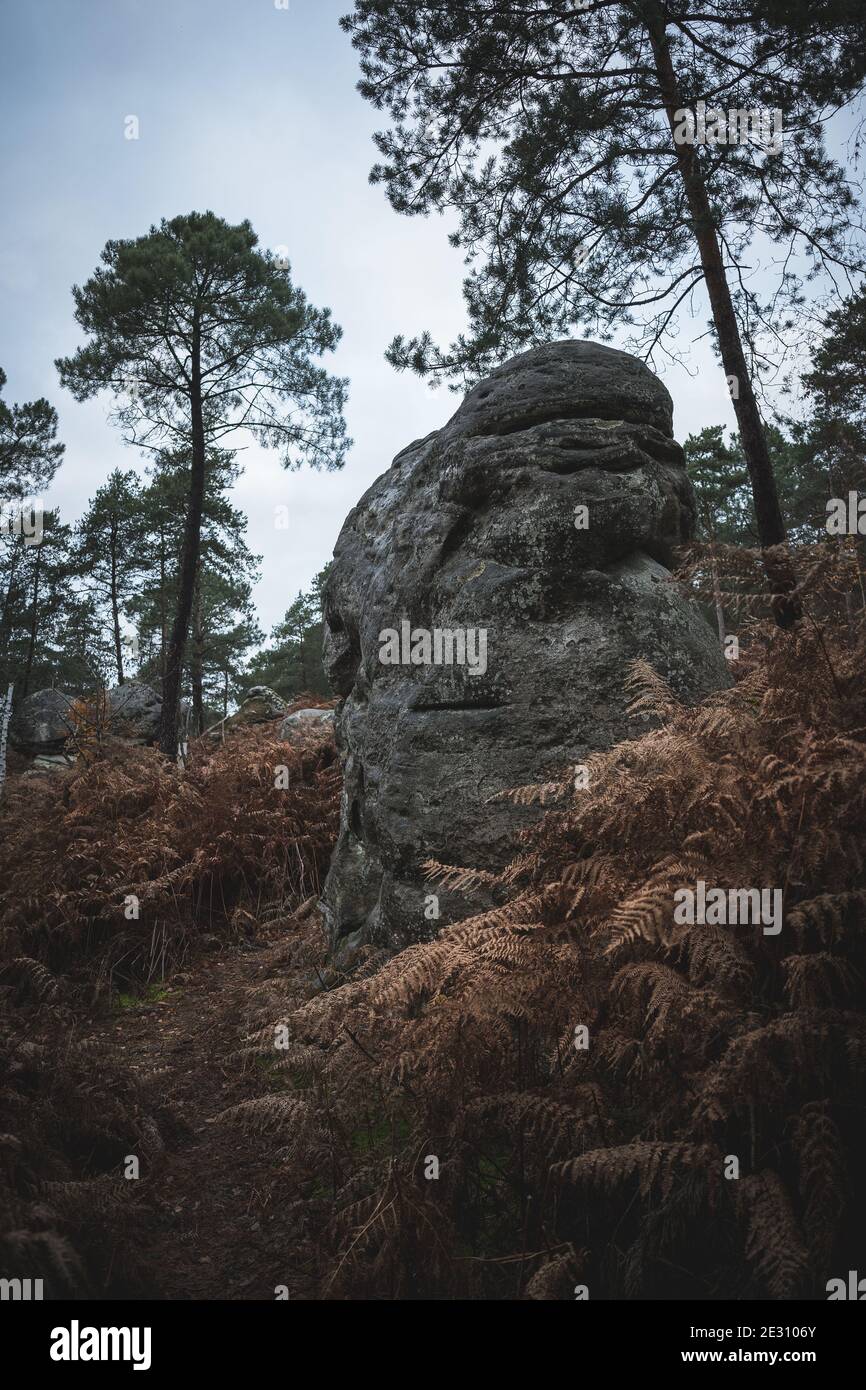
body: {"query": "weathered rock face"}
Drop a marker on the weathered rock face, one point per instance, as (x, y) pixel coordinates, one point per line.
(260, 702)
(135, 708)
(40, 726)
(479, 529)
(302, 719)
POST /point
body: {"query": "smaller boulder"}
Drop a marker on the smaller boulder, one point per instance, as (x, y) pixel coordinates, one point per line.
(137, 708)
(302, 719)
(261, 697)
(40, 725)
(51, 762)
(259, 705)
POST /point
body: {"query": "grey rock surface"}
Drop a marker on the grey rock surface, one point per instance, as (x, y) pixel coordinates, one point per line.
(268, 700)
(479, 527)
(259, 705)
(40, 723)
(50, 762)
(135, 709)
(300, 718)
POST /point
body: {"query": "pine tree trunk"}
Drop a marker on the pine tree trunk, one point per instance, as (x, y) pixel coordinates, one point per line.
(6, 620)
(5, 712)
(717, 600)
(771, 527)
(163, 629)
(188, 561)
(34, 624)
(115, 606)
(197, 663)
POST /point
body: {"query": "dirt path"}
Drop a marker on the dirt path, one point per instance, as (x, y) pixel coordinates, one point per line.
(225, 1217)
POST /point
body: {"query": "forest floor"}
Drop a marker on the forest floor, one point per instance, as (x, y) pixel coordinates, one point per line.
(219, 1221)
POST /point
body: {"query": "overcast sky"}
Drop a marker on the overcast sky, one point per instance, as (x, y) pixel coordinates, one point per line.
(250, 111)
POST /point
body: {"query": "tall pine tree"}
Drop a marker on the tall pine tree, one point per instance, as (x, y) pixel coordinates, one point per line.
(593, 190)
(200, 334)
(223, 626)
(108, 554)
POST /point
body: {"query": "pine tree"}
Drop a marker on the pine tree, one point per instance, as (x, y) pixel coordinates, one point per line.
(198, 333)
(720, 477)
(29, 450)
(30, 455)
(223, 625)
(226, 631)
(817, 455)
(560, 136)
(37, 605)
(292, 662)
(108, 553)
(833, 434)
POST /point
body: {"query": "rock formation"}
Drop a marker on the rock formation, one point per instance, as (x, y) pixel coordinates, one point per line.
(529, 536)
(259, 705)
(136, 709)
(45, 720)
(302, 719)
(40, 725)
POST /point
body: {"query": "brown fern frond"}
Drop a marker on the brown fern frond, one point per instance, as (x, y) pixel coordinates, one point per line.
(456, 876)
(828, 915)
(773, 1243)
(655, 1166)
(823, 1179)
(536, 794)
(557, 1276)
(819, 980)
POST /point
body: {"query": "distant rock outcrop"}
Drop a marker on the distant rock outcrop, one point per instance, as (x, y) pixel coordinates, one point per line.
(135, 708)
(301, 719)
(259, 705)
(46, 719)
(40, 726)
(487, 596)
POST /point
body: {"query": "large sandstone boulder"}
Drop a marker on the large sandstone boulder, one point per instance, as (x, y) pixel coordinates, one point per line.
(135, 709)
(480, 529)
(40, 725)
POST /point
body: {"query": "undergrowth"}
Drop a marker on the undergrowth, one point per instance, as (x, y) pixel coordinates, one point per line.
(443, 1125)
(457, 1139)
(208, 851)
(72, 1113)
(113, 870)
